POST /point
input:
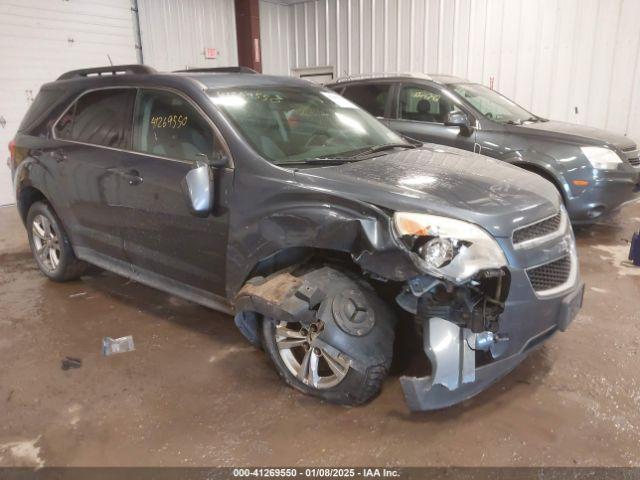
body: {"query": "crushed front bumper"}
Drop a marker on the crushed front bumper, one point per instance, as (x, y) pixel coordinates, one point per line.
(527, 320)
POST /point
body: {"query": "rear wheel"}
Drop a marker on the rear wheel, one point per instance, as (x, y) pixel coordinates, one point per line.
(50, 245)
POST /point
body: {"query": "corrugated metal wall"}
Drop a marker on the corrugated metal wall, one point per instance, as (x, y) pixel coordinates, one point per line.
(41, 39)
(573, 60)
(275, 38)
(176, 33)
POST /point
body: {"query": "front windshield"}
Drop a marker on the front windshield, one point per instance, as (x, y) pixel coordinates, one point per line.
(289, 124)
(493, 105)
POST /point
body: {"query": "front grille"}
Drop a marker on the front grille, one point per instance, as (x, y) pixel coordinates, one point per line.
(633, 155)
(550, 275)
(539, 229)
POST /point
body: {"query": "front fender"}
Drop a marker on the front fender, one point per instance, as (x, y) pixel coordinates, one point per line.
(542, 164)
(304, 217)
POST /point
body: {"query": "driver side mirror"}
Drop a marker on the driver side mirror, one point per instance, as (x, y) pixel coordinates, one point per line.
(197, 186)
(457, 119)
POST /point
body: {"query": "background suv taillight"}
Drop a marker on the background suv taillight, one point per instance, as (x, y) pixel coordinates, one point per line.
(12, 154)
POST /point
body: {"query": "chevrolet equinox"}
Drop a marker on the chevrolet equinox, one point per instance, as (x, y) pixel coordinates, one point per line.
(286, 205)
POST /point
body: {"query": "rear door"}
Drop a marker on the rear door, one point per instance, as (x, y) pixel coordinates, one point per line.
(164, 241)
(94, 134)
(420, 112)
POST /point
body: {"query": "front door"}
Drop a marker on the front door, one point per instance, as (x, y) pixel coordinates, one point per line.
(164, 241)
(421, 112)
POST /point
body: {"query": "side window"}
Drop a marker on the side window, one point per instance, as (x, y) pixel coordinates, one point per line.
(371, 97)
(102, 117)
(423, 104)
(167, 125)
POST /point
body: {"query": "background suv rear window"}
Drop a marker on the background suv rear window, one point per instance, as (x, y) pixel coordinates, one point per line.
(371, 97)
(102, 117)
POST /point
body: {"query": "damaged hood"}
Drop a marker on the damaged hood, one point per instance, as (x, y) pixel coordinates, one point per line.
(578, 134)
(443, 181)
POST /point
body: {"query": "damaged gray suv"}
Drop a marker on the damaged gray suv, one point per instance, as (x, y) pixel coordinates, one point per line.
(319, 229)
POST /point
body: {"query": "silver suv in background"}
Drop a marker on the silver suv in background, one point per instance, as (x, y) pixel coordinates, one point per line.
(595, 171)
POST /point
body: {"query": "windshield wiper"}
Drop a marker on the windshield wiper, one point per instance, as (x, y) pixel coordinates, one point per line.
(382, 148)
(313, 161)
(338, 158)
(359, 152)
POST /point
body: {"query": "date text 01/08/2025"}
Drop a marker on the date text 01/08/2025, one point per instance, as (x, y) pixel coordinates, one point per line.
(316, 472)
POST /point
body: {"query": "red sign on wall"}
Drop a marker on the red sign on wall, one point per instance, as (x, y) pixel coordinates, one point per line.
(210, 53)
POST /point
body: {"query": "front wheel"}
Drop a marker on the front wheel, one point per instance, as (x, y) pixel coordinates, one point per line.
(320, 358)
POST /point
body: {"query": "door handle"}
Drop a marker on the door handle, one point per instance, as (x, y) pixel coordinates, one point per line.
(134, 177)
(59, 155)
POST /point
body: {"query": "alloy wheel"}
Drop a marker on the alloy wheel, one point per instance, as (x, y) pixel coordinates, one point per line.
(46, 242)
(312, 364)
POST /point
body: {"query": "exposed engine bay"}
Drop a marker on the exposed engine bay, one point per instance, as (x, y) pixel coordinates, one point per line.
(460, 327)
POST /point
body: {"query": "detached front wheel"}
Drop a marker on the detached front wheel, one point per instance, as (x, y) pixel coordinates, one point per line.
(341, 355)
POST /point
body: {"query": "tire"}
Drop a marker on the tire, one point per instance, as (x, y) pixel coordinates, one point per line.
(338, 380)
(50, 245)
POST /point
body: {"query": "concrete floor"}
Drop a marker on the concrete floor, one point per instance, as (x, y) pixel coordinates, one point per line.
(195, 393)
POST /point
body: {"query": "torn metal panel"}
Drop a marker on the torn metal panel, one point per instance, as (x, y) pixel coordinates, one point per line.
(274, 296)
(452, 359)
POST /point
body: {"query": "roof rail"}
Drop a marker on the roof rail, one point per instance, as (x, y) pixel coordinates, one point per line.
(366, 76)
(110, 70)
(218, 70)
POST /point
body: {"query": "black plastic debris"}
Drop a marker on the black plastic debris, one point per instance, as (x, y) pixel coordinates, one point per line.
(70, 362)
(634, 251)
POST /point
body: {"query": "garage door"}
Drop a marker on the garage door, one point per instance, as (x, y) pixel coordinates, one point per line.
(40, 39)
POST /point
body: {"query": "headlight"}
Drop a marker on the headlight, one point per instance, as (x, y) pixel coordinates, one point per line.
(601, 158)
(449, 248)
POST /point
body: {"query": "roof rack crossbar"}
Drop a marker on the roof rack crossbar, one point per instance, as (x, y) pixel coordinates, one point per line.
(218, 70)
(110, 70)
(365, 76)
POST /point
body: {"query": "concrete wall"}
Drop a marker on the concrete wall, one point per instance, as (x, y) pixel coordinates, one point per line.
(573, 60)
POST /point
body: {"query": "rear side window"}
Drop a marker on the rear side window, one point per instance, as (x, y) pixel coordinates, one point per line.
(167, 125)
(371, 97)
(102, 117)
